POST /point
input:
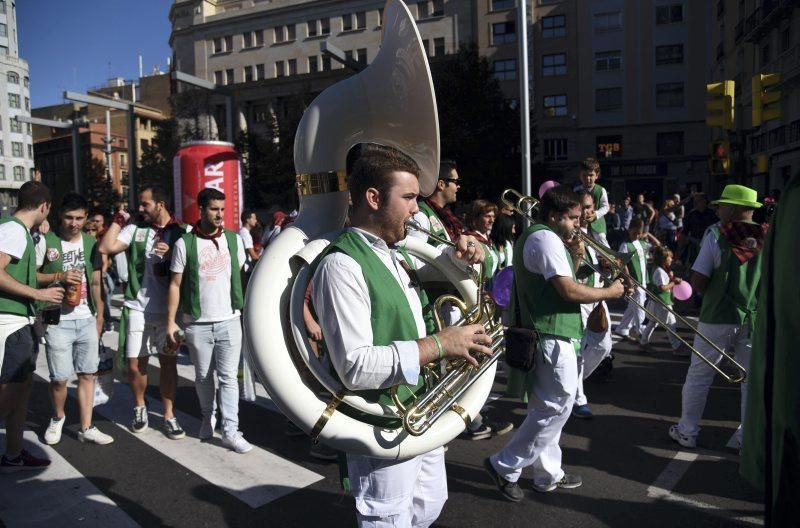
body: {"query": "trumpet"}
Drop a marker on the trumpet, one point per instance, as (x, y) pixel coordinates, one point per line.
(618, 264)
(446, 381)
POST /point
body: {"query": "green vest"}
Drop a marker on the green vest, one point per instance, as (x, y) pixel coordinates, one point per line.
(437, 227)
(427, 305)
(664, 296)
(136, 256)
(190, 285)
(24, 272)
(599, 225)
(54, 266)
(635, 264)
(391, 317)
(732, 293)
(541, 308)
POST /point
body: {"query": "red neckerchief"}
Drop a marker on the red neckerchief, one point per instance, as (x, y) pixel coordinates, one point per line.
(158, 232)
(481, 237)
(746, 238)
(451, 222)
(207, 236)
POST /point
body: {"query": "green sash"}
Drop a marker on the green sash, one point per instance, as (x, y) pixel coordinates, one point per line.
(22, 271)
(57, 265)
(599, 225)
(635, 264)
(437, 227)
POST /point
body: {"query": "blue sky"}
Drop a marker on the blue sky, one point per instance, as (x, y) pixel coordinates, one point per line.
(75, 45)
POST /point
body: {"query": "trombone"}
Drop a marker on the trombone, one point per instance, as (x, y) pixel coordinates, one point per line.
(525, 205)
(444, 389)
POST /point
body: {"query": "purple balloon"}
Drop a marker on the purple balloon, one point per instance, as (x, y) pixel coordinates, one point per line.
(682, 291)
(546, 186)
(501, 286)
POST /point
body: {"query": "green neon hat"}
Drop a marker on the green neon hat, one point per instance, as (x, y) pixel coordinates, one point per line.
(738, 195)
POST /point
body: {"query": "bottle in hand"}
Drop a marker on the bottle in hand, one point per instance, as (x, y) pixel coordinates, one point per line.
(172, 350)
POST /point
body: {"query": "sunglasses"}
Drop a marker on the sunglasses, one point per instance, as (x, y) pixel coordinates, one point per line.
(451, 180)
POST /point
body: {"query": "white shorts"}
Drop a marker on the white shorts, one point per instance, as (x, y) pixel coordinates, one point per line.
(144, 337)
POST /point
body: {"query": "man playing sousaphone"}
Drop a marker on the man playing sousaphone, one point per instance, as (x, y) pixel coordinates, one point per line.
(549, 302)
(371, 318)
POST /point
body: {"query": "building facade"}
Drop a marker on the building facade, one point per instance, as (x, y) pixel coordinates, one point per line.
(16, 142)
(623, 81)
(753, 37)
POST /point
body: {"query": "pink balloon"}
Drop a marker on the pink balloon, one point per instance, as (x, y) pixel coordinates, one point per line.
(546, 186)
(682, 291)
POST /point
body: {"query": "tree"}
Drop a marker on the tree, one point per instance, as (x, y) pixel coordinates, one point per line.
(99, 187)
(156, 160)
(479, 128)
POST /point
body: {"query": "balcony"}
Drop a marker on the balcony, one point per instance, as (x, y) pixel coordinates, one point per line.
(766, 17)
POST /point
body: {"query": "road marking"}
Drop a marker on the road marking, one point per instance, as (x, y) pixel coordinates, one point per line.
(661, 489)
(57, 496)
(255, 478)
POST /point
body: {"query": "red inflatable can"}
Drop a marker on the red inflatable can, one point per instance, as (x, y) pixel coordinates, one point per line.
(199, 165)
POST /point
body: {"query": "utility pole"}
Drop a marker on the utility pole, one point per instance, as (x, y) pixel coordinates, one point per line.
(72, 124)
(524, 98)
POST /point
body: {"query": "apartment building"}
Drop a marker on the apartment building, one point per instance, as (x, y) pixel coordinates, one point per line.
(623, 81)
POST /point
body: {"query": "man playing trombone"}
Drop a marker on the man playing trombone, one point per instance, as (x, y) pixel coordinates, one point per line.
(550, 301)
(727, 272)
(371, 318)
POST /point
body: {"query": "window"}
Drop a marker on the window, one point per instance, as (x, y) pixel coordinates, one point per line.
(229, 43)
(260, 72)
(669, 95)
(218, 45)
(229, 79)
(218, 78)
(252, 39)
(312, 28)
(608, 60)
(26, 81)
(325, 26)
(13, 100)
(13, 78)
(426, 45)
(284, 34)
(292, 67)
(553, 65)
(430, 9)
(554, 26)
(260, 113)
(361, 20)
(3, 30)
(16, 149)
(498, 5)
(27, 104)
(608, 21)
(123, 160)
(503, 33)
(2, 172)
(438, 47)
(609, 146)
(347, 22)
(2, 150)
(555, 105)
(313, 64)
(33, 174)
(361, 56)
(280, 69)
(667, 14)
(248, 74)
(607, 99)
(669, 143)
(326, 63)
(19, 173)
(672, 54)
(16, 126)
(505, 70)
(2, 6)
(555, 149)
(3, 50)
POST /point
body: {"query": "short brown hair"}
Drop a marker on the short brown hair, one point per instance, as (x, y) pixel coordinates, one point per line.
(590, 164)
(374, 168)
(32, 194)
(477, 209)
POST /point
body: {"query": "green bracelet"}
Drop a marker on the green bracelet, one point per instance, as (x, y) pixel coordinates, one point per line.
(439, 346)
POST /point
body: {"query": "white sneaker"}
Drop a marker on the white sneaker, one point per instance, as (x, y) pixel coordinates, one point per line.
(95, 436)
(52, 435)
(207, 427)
(687, 441)
(237, 442)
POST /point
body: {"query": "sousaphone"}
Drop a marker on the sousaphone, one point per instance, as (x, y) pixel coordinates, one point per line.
(390, 103)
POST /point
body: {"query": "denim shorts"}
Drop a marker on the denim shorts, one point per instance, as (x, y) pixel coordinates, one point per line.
(72, 347)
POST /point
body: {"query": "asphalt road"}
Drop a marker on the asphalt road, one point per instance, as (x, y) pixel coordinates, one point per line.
(633, 474)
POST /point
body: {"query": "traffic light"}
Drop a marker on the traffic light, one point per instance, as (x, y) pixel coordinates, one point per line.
(719, 108)
(766, 98)
(720, 161)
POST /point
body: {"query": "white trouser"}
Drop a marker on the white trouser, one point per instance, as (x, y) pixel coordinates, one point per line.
(633, 316)
(407, 493)
(733, 339)
(595, 347)
(661, 312)
(552, 394)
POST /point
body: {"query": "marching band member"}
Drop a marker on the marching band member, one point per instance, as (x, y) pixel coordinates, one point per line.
(372, 323)
(596, 342)
(661, 284)
(549, 303)
(639, 243)
(143, 326)
(433, 214)
(727, 272)
(589, 174)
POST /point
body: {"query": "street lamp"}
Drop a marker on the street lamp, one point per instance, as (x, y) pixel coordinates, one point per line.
(74, 125)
